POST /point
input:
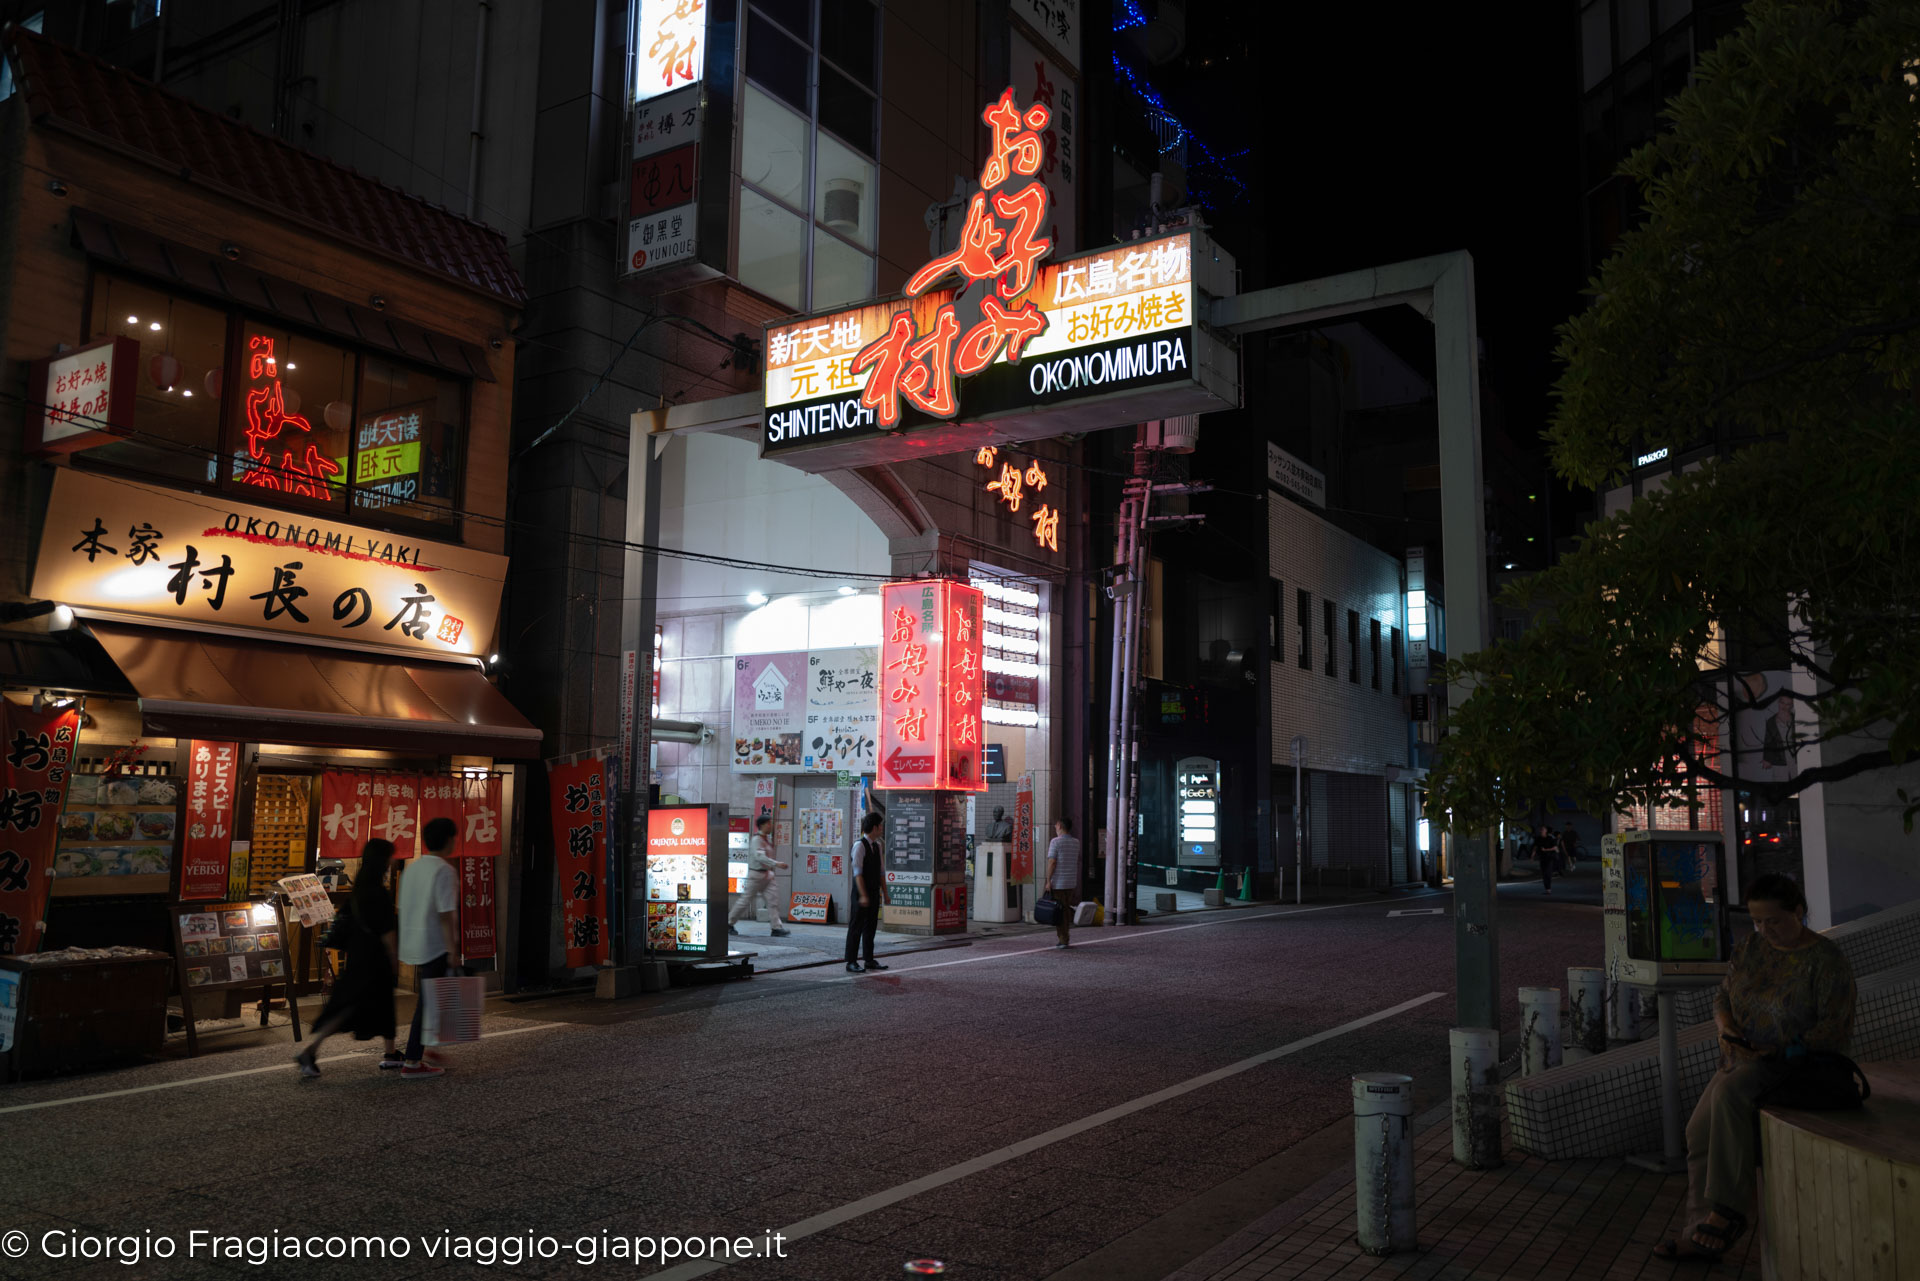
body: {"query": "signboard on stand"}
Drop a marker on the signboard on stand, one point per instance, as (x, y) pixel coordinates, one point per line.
(686, 881)
(233, 944)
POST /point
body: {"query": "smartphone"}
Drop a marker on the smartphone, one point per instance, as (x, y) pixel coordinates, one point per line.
(1740, 1041)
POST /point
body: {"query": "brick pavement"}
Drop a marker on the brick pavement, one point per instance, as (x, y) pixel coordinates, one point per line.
(1594, 1220)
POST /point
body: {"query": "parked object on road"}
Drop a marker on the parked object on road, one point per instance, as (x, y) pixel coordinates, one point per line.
(368, 931)
(761, 865)
(1788, 993)
(869, 894)
(429, 928)
(1063, 877)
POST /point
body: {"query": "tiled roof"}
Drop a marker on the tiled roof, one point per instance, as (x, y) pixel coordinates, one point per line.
(81, 93)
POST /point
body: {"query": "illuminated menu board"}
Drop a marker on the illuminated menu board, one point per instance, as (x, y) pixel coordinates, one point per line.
(686, 888)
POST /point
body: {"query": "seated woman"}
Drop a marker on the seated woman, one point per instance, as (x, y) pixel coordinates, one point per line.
(1788, 992)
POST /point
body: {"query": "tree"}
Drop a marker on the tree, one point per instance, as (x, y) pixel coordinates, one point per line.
(1768, 305)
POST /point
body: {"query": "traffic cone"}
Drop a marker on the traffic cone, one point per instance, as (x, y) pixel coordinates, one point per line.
(1246, 886)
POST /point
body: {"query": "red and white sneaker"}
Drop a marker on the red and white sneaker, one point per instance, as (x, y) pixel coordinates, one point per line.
(415, 1071)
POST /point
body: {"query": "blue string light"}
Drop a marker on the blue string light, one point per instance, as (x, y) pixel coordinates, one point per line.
(1175, 134)
(1130, 16)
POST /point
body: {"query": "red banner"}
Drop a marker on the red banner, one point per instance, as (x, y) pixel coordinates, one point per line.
(38, 749)
(480, 834)
(1021, 870)
(479, 843)
(931, 687)
(577, 799)
(396, 812)
(346, 801)
(476, 908)
(442, 796)
(207, 850)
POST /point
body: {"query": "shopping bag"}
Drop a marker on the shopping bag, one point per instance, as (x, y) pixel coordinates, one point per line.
(1086, 913)
(453, 1009)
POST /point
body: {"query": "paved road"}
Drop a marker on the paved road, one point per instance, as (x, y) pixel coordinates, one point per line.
(1016, 1111)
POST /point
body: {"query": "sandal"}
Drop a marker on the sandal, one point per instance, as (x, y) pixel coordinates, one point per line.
(1722, 1235)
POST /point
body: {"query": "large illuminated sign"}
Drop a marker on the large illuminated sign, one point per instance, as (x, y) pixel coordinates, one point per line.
(1198, 780)
(988, 331)
(932, 687)
(672, 52)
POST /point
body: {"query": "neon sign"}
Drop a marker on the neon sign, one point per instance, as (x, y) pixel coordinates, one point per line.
(1012, 483)
(932, 687)
(670, 55)
(267, 418)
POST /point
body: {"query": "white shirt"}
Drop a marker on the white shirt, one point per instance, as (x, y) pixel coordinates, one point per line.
(428, 887)
(760, 860)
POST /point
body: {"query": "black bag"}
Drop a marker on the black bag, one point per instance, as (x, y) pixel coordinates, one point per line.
(340, 933)
(1048, 912)
(1820, 1081)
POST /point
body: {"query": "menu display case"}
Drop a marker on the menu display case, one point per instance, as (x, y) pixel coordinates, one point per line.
(119, 834)
(687, 881)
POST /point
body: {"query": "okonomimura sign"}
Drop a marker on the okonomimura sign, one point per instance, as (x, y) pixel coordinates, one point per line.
(932, 687)
(988, 331)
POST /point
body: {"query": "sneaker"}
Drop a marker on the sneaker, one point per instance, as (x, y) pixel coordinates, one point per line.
(731, 930)
(414, 1071)
(875, 965)
(392, 1062)
(433, 1058)
(308, 1068)
(780, 934)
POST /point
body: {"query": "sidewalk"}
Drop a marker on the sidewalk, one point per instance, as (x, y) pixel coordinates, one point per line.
(826, 944)
(1592, 1220)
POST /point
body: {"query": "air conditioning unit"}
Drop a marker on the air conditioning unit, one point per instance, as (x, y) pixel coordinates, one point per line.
(841, 206)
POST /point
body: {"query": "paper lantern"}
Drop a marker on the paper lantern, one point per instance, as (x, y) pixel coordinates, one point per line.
(164, 369)
(339, 415)
(289, 399)
(212, 382)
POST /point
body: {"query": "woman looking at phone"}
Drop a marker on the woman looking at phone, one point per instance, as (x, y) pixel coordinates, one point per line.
(1788, 992)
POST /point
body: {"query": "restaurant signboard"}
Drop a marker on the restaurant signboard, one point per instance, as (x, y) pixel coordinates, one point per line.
(931, 687)
(115, 548)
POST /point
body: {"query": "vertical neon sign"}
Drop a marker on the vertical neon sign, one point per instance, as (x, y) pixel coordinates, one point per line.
(932, 684)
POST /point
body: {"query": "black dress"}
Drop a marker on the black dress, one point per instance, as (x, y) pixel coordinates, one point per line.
(364, 989)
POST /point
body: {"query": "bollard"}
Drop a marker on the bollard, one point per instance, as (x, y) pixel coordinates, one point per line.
(1586, 1011)
(1476, 1096)
(1383, 1161)
(1623, 1011)
(1539, 1029)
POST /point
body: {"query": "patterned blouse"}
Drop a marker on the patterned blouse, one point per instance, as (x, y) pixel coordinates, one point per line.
(1776, 998)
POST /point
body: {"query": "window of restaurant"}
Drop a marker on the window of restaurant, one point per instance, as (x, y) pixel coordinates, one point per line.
(309, 423)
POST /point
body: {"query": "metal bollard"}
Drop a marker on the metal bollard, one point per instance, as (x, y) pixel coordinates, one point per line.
(1586, 1002)
(1623, 1011)
(1539, 1029)
(1476, 1096)
(1383, 1161)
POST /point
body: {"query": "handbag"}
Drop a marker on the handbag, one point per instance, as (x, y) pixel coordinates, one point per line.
(345, 925)
(1048, 911)
(1820, 1081)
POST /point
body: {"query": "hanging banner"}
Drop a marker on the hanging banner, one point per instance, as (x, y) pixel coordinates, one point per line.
(205, 855)
(1021, 869)
(345, 811)
(577, 798)
(396, 812)
(38, 749)
(479, 845)
(480, 837)
(442, 796)
(476, 908)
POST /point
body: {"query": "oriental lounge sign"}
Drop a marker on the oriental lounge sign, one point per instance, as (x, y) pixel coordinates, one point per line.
(989, 333)
(117, 549)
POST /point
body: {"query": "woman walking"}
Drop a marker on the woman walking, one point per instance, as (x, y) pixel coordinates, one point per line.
(362, 998)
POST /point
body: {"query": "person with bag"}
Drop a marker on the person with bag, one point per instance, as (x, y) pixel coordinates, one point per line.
(761, 865)
(869, 890)
(361, 1001)
(429, 929)
(1785, 1012)
(1063, 877)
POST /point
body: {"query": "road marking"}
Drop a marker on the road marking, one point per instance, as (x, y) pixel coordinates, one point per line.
(227, 1076)
(1227, 918)
(940, 1178)
(1419, 911)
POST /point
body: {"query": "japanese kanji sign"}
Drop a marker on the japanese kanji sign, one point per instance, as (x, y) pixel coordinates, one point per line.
(988, 331)
(86, 396)
(213, 775)
(663, 184)
(36, 756)
(580, 803)
(931, 687)
(118, 547)
(672, 48)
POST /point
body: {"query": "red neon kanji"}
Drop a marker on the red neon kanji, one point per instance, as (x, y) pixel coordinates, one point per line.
(930, 385)
(1036, 479)
(973, 259)
(912, 725)
(887, 357)
(1046, 528)
(967, 667)
(1028, 208)
(1014, 151)
(963, 631)
(981, 344)
(903, 621)
(983, 455)
(1008, 485)
(905, 692)
(913, 659)
(962, 696)
(968, 731)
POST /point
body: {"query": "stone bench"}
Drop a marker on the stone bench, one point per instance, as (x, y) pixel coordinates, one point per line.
(1841, 1190)
(1609, 1105)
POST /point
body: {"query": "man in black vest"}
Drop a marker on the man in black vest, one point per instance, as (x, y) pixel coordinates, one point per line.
(869, 894)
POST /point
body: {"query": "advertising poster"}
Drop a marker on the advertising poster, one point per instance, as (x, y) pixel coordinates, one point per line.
(38, 752)
(809, 907)
(212, 773)
(677, 907)
(578, 799)
(843, 711)
(769, 713)
(949, 907)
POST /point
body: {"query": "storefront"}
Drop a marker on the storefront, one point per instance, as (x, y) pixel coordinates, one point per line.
(254, 502)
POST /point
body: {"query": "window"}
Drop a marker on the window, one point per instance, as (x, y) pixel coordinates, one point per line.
(1373, 628)
(1353, 646)
(34, 23)
(1276, 595)
(1326, 636)
(808, 132)
(1394, 632)
(1302, 609)
(275, 416)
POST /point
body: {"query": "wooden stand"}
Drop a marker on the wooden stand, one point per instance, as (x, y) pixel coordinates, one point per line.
(226, 931)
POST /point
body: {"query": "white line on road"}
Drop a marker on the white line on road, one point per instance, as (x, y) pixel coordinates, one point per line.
(1225, 918)
(940, 1178)
(226, 1076)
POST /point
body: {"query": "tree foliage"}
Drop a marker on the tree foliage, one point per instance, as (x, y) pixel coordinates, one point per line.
(1769, 304)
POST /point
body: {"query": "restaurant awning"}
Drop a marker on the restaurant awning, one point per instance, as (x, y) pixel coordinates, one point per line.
(193, 685)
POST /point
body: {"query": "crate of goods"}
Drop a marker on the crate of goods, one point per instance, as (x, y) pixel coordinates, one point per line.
(85, 1006)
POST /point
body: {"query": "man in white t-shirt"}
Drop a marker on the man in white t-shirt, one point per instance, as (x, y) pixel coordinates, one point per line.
(429, 926)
